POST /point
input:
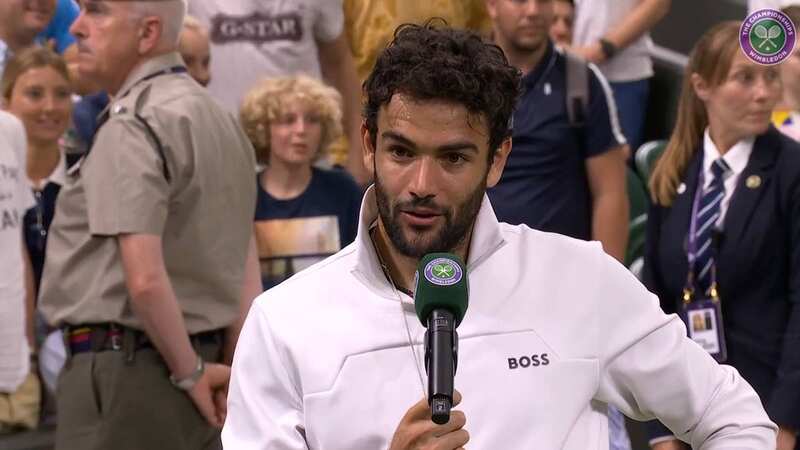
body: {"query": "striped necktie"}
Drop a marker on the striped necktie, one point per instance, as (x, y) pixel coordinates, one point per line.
(708, 212)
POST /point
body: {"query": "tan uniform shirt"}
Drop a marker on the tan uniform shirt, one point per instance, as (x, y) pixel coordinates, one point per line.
(204, 213)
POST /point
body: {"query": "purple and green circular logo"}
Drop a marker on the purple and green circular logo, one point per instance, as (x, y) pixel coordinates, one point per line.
(443, 272)
(767, 36)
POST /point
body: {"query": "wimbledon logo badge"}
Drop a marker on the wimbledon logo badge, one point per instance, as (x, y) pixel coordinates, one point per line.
(767, 36)
(443, 272)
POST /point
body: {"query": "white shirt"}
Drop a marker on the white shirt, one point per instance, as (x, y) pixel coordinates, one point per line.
(736, 158)
(594, 18)
(254, 39)
(15, 199)
(332, 358)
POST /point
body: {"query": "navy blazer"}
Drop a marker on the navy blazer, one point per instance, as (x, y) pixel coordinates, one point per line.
(758, 269)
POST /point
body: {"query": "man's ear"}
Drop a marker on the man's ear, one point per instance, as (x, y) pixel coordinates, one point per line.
(368, 149)
(150, 33)
(498, 163)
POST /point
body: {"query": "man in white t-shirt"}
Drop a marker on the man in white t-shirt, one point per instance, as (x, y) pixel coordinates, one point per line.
(15, 277)
(253, 39)
(614, 34)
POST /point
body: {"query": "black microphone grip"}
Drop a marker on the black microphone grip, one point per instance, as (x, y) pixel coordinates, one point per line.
(441, 360)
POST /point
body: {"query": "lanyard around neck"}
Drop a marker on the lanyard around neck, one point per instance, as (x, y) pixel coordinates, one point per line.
(167, 71)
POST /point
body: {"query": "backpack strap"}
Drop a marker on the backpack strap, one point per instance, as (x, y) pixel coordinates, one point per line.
(577, 89)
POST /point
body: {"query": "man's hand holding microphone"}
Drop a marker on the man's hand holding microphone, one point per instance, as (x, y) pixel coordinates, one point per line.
(417, 430)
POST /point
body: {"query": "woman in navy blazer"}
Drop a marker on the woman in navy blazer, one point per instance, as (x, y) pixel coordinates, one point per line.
(724, 112)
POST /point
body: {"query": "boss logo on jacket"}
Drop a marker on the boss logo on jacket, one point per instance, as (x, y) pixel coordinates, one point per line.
(528, 361)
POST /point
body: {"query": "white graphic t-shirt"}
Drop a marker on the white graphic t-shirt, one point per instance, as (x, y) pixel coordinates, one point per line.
(15, 198)
(253, 39)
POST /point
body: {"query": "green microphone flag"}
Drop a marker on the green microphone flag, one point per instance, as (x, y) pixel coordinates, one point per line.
(441, 283)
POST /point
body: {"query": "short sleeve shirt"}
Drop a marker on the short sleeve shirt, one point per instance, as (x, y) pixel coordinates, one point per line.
(198, 196)
(253, 39)
(296, 233)
(544, 184)
(15, 199)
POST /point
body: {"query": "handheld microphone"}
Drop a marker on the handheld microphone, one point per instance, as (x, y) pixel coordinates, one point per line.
(441, 297)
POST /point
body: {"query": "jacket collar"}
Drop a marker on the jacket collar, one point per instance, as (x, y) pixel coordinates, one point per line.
(743, 203)
(748, 192)
(486, 239)
(147, 68)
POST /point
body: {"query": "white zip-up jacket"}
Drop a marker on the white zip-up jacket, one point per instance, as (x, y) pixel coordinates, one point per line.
(555, 330)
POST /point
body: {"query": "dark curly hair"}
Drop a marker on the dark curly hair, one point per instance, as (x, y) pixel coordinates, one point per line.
(437, 62)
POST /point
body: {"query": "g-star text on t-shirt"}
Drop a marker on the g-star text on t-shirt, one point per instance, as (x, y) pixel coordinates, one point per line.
(528, 361)
(257, 28)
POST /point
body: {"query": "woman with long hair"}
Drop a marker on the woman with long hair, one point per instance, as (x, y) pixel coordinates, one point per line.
(723, 237)
(36, 88)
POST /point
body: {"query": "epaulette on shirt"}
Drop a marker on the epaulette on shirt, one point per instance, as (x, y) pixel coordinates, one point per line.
(119, 108)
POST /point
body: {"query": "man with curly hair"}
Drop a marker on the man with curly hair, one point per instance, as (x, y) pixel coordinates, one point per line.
(333, 357)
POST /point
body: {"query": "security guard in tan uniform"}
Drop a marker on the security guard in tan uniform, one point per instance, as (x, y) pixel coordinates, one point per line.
(151, 262)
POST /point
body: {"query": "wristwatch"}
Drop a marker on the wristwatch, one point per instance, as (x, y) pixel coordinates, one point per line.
(188, 383)
(608, 48)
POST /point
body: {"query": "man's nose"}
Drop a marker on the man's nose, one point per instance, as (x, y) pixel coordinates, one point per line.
(77, 28)
(423, 178)
(531, 8)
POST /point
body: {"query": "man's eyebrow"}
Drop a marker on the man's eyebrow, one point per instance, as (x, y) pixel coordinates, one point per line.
(459, 146)
(466, 145)
(398, 137)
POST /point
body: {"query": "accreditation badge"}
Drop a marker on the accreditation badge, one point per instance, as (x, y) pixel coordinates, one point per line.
(703, 320)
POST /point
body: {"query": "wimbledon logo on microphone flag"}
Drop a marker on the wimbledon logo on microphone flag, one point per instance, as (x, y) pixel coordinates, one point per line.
(767, 36)
(443, 272)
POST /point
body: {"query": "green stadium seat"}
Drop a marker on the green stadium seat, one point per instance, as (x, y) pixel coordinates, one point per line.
(638, 203)
(646, 157)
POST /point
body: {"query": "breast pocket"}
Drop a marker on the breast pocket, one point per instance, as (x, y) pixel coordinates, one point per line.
(518, 393)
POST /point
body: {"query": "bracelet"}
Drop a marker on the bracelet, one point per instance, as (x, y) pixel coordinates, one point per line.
(186, 384)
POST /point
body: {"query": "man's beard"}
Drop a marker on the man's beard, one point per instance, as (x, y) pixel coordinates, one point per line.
(450, 235)
(523, 46)
(520, 46)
